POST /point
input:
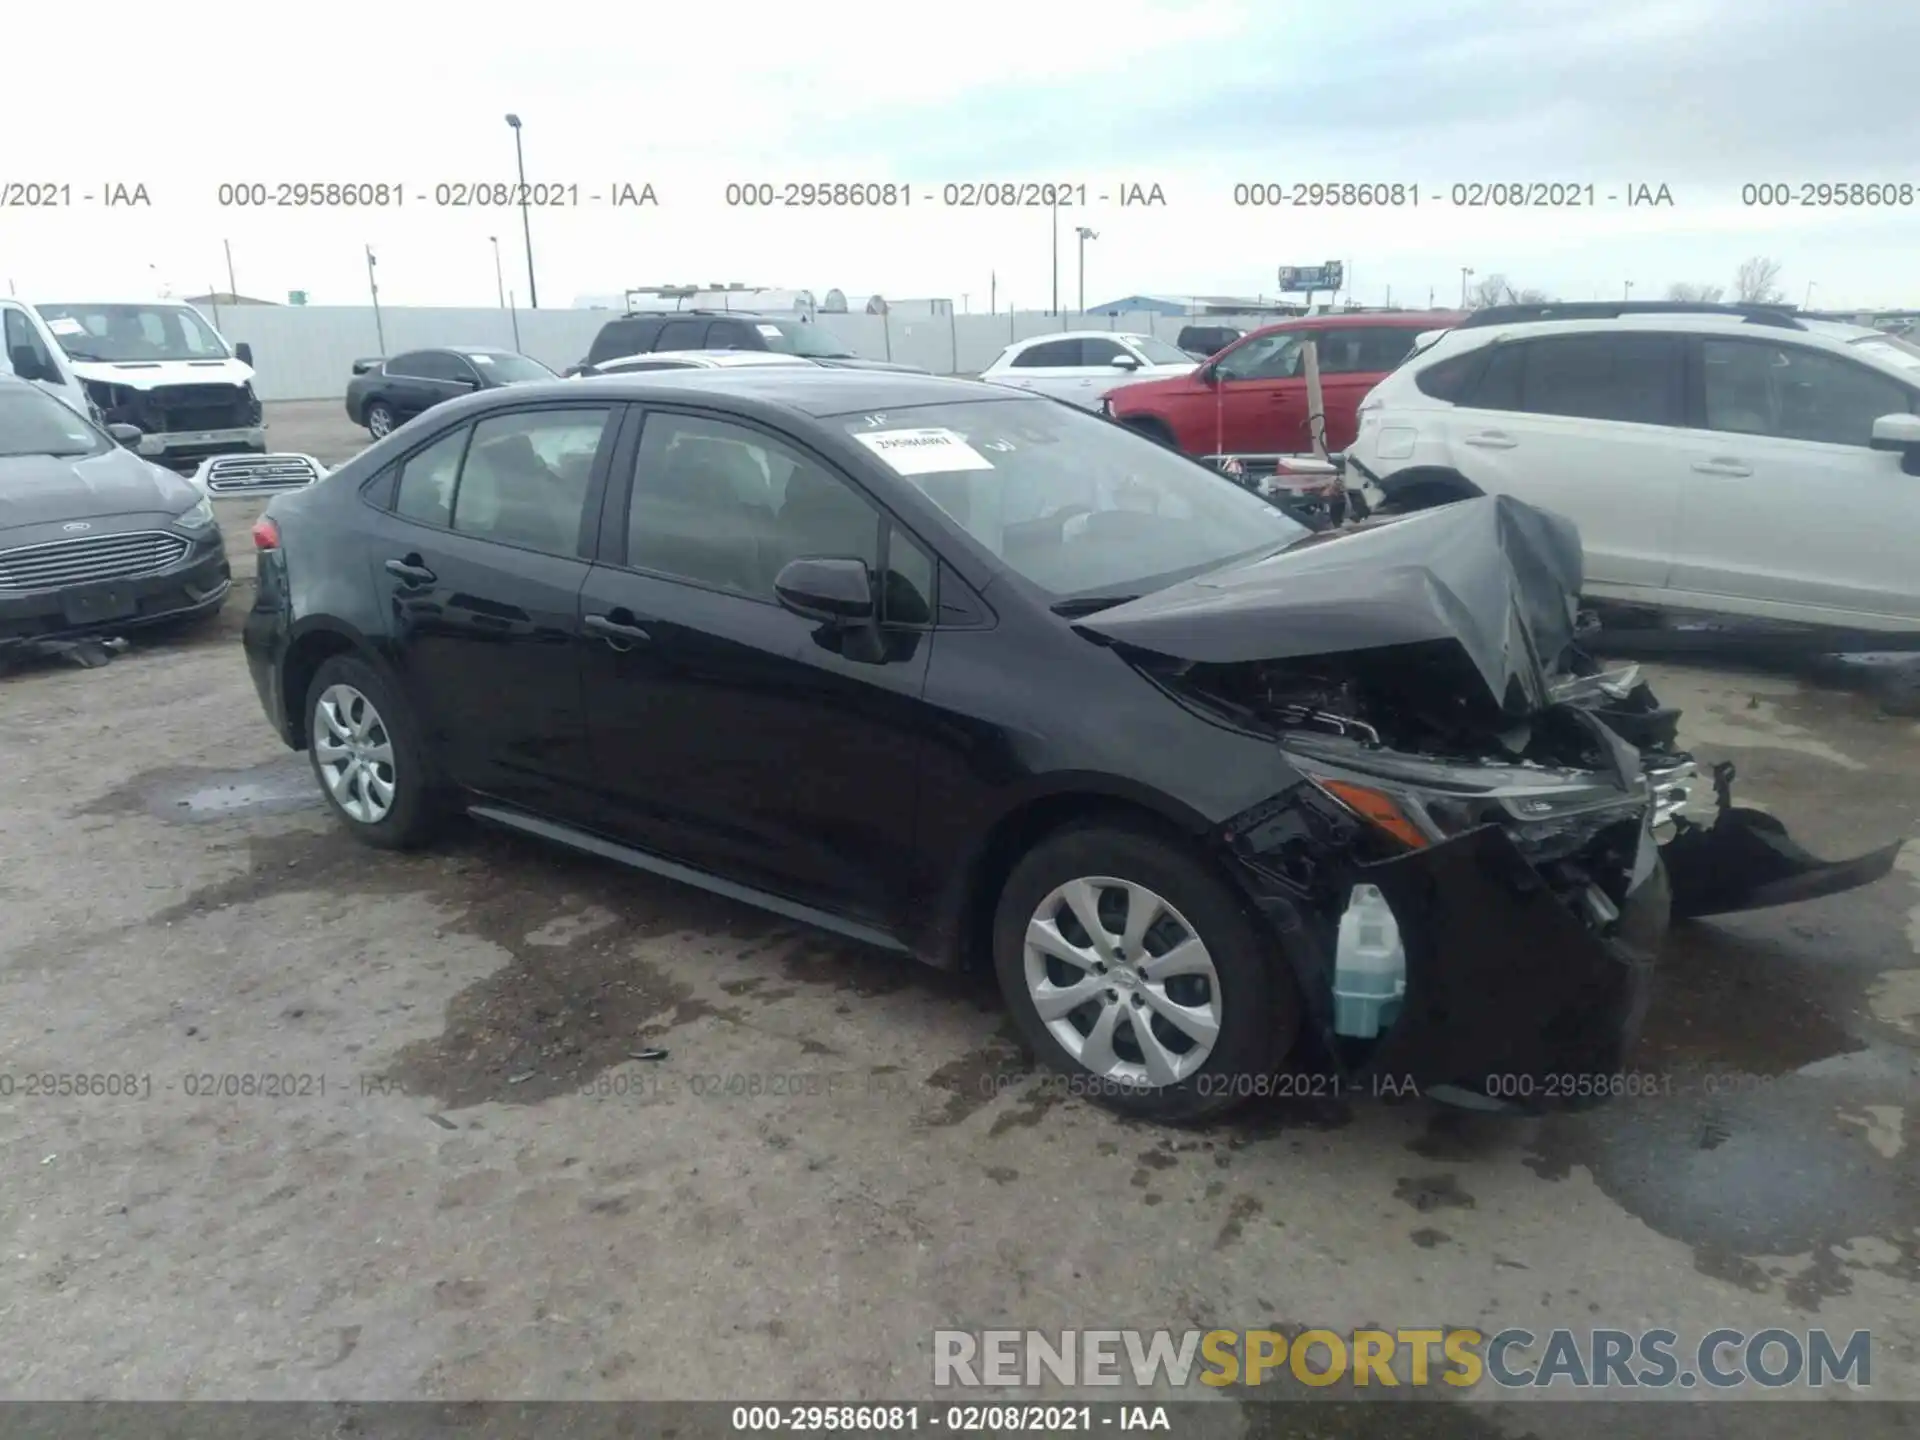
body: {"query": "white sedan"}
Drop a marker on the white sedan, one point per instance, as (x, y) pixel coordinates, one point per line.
(1080, 366)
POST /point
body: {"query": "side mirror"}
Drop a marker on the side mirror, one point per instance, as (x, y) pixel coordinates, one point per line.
(26, 364)
(1209, 373)
(836, 592)
(1899, 433)
(465, 382)
(243, 352)
(127, 435)
(1124, 362)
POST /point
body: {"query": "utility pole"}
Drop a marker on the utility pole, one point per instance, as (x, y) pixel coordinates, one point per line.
(1056, 252)
(373, 287)
(526, 223)
(1629, 291)
(499, 283)
(232, 288)
(993, 292)
(1466, 273)
(1085, 233)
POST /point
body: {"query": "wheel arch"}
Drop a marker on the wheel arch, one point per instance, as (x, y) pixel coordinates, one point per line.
(1423, 486)
(306, 653)
(964, 933)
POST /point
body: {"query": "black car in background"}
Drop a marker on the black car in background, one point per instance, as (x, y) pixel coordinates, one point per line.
(93, 539)
(642, 333)
(384, 394)
(971, 674)
(1203, 342)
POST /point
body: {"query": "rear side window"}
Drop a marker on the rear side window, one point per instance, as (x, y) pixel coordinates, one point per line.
(1450, 380)
(1055, 353)
(730, 335)
(623, 337)
(1626, 378)
(426, 480)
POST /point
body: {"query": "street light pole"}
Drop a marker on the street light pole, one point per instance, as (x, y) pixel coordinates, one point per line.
(526, 222)
(499, 282)
(1629, 294)
(1465, 273)
(373, 288)
(1085, 233)
(1056, 252)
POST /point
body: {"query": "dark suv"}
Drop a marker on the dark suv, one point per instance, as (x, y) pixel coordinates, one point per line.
(643, 333)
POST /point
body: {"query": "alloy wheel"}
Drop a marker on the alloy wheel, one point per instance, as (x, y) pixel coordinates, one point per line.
(1122, 981)
(379, 422)
(354, 752)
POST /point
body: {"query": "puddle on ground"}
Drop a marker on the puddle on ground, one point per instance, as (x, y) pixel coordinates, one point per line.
(199, 795)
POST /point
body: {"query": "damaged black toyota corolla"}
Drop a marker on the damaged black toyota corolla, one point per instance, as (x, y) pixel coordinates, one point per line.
(973, 675)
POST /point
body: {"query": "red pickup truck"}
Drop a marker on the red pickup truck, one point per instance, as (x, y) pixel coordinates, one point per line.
(1250, 400)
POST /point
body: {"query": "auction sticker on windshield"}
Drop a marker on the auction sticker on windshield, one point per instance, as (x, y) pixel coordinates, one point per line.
(930, 451)
(66, 325)
(773, 330)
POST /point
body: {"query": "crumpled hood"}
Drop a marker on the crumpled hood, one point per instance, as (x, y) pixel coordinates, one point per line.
(39, 489)
(1494, 579)
(151, 374)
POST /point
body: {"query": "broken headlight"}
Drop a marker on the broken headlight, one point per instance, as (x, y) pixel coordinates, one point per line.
(1419, 801)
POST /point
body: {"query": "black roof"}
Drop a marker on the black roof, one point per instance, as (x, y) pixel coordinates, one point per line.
(814, 390)
(1775, 315)
(733, 314)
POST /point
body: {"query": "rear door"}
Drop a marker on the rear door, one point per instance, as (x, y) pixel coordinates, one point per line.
(480, 567)
(1786, 509)
(1353, 359)
(727, 732)
(407, 384)
(1586, 425)
(1052, 367)
(447, 376)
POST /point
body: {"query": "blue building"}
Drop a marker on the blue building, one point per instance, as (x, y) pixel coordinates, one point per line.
(1196, 305)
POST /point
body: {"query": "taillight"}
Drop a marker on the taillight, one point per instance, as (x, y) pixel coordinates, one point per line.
(266, 534)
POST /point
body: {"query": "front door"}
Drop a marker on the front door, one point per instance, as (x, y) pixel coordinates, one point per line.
(727, 732)
(1786, 508)
(1259, 398)
(481, 564)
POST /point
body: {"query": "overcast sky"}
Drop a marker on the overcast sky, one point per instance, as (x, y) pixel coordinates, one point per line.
(1702, 96)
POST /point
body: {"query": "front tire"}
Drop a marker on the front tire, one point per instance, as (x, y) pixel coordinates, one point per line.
(1133, 969)
(380, 420)
(365, 749)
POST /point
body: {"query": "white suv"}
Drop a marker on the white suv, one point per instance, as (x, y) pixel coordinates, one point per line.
(1080, 366)
(1737, 460)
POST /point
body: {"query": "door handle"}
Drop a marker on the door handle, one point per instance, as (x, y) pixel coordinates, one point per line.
(410, 571)
(1492, 440)
(613, 631)
(1722, 465)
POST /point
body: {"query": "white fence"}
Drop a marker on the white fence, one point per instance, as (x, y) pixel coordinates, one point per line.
(306, 352)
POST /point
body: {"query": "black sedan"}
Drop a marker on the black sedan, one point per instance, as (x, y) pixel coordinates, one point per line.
(973, 675)
(384, 394)
(93, 539)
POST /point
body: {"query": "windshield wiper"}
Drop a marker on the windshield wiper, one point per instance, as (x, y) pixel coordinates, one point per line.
(1088, 604)
(86, 355)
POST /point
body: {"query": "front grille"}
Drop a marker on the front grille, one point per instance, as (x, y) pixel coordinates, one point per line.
(169, 409)
(260, 472)
(95, 557)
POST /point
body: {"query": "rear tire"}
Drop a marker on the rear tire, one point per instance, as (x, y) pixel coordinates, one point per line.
(1229, 977)
(364, 745)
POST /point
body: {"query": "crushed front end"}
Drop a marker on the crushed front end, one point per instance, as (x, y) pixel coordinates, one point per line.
(1474, 920)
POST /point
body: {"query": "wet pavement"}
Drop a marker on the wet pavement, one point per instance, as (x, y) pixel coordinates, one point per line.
(393, 1137)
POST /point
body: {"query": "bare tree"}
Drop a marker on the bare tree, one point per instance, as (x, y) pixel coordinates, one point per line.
(1755, 282)
(1497, 290)
(1692, 294)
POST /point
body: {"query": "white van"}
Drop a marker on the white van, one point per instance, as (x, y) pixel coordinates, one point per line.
(156, 364)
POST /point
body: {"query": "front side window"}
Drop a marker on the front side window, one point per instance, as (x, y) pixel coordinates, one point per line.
(727, 506)
(681, 335)
(132, 332)
(1097, 351)
(1052, 355)
(427, 478)
(439, 365)
(525, 478)
(1075, 505)
(32, 422)
(505, 368)
(1754, 387)
(1264, 357)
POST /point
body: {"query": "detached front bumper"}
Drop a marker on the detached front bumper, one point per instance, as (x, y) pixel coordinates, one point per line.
(194, 585)
(184, 450)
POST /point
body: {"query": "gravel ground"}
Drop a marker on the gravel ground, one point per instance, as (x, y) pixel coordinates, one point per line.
(468, 1187)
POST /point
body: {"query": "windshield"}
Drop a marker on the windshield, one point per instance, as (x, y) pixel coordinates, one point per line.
(1158, 351)
(790, 337)
(1075, 504)
(504, 368)
(32, 422)
(132, 332)
(1892, 350)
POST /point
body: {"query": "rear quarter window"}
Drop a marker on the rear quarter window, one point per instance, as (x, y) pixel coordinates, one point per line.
(1450, 380)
